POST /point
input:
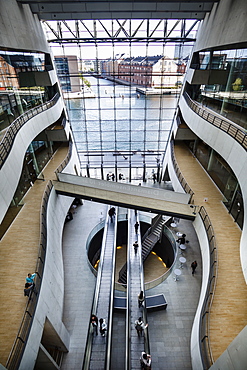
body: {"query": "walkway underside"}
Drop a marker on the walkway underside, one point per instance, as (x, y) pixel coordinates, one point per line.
(136, 197)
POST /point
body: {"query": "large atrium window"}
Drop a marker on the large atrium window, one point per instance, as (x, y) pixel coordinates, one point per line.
(121, 80)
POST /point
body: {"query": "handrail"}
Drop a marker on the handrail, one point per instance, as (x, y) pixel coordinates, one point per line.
(19, 345)
(66, 160)
(89, 342)
(231, 129)
(180, 177)
(153, 283)
(204, 333)
(10, 134)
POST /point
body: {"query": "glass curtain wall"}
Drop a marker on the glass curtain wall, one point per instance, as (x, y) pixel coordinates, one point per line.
(16, 93)
(122, 96)
(223, 177)
(226, 90)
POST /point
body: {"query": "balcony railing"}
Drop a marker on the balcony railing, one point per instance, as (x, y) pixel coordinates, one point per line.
(180, 177)
(231, 129)
(206, 353)
(19, 345)
(9, 137)
(65, 161)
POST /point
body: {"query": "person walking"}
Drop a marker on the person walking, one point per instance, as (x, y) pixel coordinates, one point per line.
(181, 240)
(193, 266)
(136, 226)
(140, 326)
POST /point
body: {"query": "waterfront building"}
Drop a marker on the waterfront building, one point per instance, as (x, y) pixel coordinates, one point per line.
(152, 71)
(68, 72)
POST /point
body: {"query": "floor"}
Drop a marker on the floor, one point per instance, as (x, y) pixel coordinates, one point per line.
(169, 330)
(18, 256)
(229, 309)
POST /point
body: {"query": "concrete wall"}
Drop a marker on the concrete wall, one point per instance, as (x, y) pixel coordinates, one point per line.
(19, 28)
(12, 168)
(232, 152)
(235, 356)
(225, 25)
(51, 298)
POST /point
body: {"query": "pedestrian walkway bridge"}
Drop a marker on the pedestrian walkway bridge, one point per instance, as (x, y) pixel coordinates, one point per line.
(125, 195)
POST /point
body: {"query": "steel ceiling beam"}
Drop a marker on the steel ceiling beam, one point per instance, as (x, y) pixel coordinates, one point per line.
(124, 31)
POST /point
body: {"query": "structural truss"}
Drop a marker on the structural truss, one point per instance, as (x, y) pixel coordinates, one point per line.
(127, 30)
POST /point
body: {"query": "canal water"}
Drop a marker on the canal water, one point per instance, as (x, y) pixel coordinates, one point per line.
(121, 128)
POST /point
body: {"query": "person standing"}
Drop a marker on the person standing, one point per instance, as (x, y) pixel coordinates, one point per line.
(102, 327)
(135, 245)
(140, 298)
(145, 361)
(30, 278)
(140, 326)
(28, 289)
(193, 266)
(94, 322)
(112, 212)
(136, 227)
(181, 240)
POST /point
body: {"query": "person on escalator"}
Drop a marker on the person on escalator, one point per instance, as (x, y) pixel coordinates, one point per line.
(136, 226)
(145, 361)
(140, 326)
(140, 299)
(103, 327)
(94, 322)
(135, 245)
(112, 212)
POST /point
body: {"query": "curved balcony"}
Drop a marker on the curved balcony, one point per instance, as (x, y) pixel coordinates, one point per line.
(21, 343)
(237, 132)
(16, 141)
(9, 137)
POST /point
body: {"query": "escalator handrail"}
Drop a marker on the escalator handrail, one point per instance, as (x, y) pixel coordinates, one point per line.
(88, 349)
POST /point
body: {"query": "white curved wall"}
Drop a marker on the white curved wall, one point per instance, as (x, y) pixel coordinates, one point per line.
(195, 338)
(173, 176)
(232, 152)
(12, 168)
(50, 303)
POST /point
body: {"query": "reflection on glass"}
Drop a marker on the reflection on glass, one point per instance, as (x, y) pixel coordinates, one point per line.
(227, 94)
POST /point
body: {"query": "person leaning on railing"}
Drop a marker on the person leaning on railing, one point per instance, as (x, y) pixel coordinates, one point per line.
(30, 278)
(28, 289)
